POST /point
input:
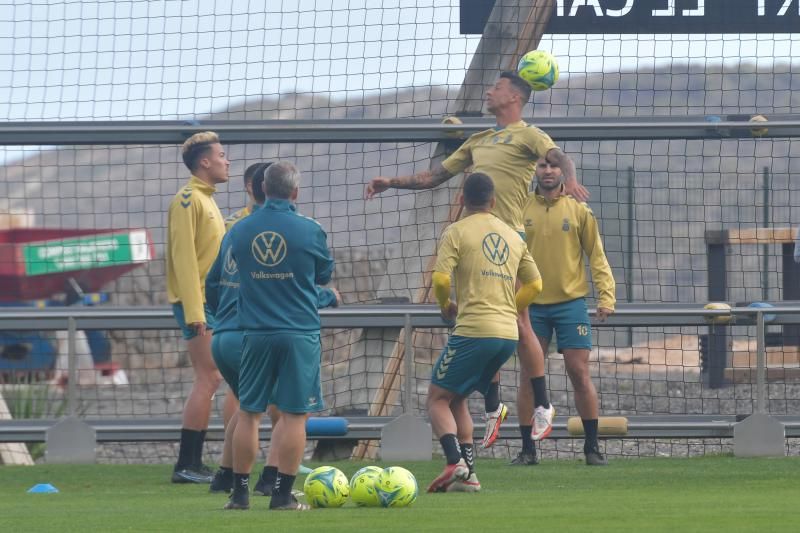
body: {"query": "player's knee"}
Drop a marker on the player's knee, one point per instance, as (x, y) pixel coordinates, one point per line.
(209, 380)
(431, 401)
(216, 379)
(437, 396)
(581, 378)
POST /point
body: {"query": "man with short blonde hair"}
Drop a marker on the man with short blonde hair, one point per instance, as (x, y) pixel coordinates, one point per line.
(195, 228)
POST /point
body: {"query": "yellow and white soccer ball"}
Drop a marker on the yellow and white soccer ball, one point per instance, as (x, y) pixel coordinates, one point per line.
(326, 486)
(397, 487)
(539, 69)
(759, 132)
(363, 491)
(718, 319)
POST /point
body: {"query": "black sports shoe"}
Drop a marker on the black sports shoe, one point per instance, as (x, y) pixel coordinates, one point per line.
(222, 482)
(525, 459)
(205, 469)
(595, 458)
(241, 503)
(191, 474)
(262, 487)
(291, 505)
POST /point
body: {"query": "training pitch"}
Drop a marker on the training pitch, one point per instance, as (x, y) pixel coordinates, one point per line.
(699, 494)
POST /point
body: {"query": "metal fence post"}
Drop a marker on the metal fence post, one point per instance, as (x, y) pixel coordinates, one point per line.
(409, 364)
(761, 370)
(72, 377)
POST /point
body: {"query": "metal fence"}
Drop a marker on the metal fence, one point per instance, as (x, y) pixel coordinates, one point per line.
(702, 413)
(660, 187)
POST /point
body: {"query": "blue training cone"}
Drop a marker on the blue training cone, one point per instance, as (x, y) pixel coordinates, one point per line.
(43, 488)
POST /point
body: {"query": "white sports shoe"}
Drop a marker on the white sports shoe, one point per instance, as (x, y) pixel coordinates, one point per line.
(450, 474)
(471, 484)
(542, 423)
(493, 421)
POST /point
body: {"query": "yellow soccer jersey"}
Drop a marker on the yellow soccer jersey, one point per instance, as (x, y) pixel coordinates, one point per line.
(195, 229)
(508, 156)
(487, 256)
(558, 233)
(236, 217)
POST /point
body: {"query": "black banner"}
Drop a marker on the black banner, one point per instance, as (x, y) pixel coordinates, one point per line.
(654, 16)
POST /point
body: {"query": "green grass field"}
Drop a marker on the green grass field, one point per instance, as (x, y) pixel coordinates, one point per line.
(701, 494)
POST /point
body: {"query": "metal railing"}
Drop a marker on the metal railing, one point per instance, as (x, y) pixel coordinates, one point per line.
(397, 130)
(408, 317)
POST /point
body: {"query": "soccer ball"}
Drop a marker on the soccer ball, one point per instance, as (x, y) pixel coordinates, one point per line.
(326, 486)
(397, 487)
(539, 69)
(362, 487)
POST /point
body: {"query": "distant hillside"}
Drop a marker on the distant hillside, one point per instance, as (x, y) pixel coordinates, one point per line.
(681, 189)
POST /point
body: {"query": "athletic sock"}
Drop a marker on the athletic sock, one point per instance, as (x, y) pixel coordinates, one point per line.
(269, 474)
(241, 486)
(282, 490)
(590, 430)
(451, 449)
(200, 439)
(492, 399)
(540, 398)
(186, 449)
(468, 453)
(527, 442)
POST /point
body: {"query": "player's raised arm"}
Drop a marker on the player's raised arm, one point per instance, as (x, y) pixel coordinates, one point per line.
(571, 186)
(427, 179)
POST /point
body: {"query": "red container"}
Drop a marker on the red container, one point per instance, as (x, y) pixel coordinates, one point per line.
(38, 262)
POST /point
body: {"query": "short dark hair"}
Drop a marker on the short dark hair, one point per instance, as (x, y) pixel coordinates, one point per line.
(478, 190)
(522, 86)
(196, 147)
(250, 171)
(257, 179)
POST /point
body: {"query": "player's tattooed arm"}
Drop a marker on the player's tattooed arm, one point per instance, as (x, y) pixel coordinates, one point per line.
(571, 186)
(427, 179)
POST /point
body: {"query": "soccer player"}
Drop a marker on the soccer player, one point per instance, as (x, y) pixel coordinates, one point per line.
(195, 229)
(253, 188)
(507, 153)
(559, 231)
(281, 256)
(222, 293)
(487, 257)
